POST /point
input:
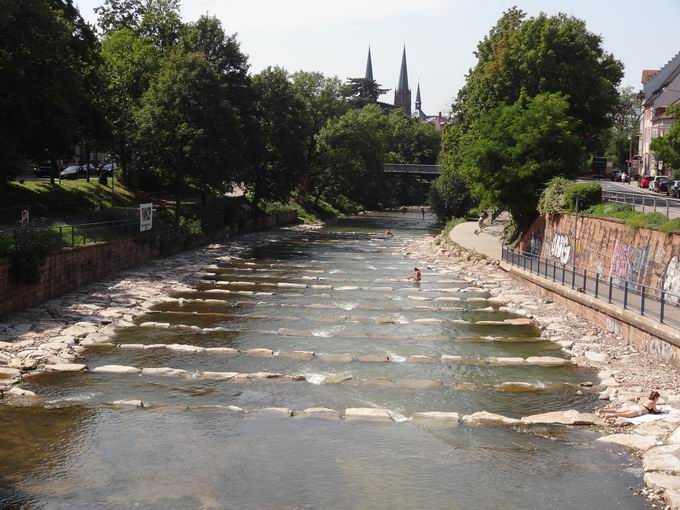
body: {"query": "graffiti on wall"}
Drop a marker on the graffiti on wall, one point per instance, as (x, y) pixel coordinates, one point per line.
(535, 244)
(628, 263)
(560, 248)
(671, 281)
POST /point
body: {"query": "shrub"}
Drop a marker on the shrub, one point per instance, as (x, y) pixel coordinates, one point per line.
(587, 193)
(450, 196)
(552, 198)
(28, 253)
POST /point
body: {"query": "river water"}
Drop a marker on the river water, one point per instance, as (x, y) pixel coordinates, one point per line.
(339, 290)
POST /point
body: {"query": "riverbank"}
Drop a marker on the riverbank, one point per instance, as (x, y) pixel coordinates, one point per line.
(626, 373)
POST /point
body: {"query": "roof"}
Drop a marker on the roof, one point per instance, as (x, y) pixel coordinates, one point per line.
(648, 74)
(369, 66)
(403, 74)
(654, 86)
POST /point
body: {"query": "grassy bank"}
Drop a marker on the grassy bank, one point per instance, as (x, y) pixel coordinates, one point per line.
(43, 199)
(634, 219)
(306, 211)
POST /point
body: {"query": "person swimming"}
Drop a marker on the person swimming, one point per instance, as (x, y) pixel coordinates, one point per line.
(415, 275)
(389, 233)
(633, 410)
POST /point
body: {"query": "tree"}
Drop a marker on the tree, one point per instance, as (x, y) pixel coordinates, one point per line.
(118, 14)
(409, 140)
(618, 140)
(450, 196)
(362, 91)
(187, 129)
(517, 149)
(159, 20)
(667, 147)
(543, 54)
(279, 163)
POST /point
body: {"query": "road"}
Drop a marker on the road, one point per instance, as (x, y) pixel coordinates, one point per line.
(644, 199)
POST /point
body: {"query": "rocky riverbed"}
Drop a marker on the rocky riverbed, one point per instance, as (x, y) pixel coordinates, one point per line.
(52, 337)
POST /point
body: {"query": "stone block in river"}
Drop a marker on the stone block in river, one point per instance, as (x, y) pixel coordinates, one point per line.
(437, 417)
(419, 384)
(156, 325)
(7, 372)
(15, 391)
(336, 358)
(373, 358)
(485, 418)
(519, 322)
(508, 361)
(128, 403)
(336, 379)
(155, 346)
(448, 358)
(448, 299)
(632, 441)
(221, 350)
(299, 355)
(547, 361)
(427, 320)
(570, 417)
(132, 346)
(367, 414)
(116, 369)
(419, 359)
(65, 367)
(518, 387)
(218, 376)
(258, 375)
(184, 348)
(663, 458)
(260, 353)
(165, 371)
(281, 411)
(662, 481)
(418, 298)
(319, 412)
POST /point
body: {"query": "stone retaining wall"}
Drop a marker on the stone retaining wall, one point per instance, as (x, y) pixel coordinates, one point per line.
(644, 257)
(71, 268)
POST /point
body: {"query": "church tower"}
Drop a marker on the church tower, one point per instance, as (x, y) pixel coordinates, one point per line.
(369, 66)
(402, 94)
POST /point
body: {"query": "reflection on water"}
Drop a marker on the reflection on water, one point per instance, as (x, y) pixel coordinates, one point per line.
(340, 291)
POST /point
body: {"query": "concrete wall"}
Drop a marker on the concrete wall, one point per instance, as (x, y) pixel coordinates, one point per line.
(645, 257)
(71, 268)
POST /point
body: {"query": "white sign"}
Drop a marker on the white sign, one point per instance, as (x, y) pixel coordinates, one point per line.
(145, 217)
(24, 217)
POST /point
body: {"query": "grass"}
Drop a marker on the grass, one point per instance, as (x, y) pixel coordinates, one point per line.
(634, 219)
(43, 199)
(307, 212)
(450, 226)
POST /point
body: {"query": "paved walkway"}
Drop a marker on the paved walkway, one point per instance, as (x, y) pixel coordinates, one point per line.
(488, 242)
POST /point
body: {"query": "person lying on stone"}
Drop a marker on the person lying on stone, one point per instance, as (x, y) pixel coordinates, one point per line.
(633, 410)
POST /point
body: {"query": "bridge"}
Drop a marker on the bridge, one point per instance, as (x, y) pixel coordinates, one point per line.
(409, 169)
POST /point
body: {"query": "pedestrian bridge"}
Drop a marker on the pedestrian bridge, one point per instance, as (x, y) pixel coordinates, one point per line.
(409, 169)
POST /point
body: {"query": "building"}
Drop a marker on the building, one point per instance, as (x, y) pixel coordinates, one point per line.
(660, 89)
(402, 94)
(438, 121)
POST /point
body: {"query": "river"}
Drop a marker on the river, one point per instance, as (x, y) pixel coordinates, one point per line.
(378, 340)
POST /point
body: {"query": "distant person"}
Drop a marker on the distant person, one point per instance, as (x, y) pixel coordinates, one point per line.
(404, 210)
(481, 222)
(389, 233)
(422, 210)
(633, 410)
(415, 275)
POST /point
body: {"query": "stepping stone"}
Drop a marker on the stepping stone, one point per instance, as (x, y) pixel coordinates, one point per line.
(132, 346)
(128, 403)
(418, 298)
(260, 353)
(438, 417)
(319, 412)
(299, 355)
(158, 325)
(373, 358)
(485, 418)
(336, 358)
(448, 299)
(427, 320)
(15, 391)
(663, 458)
(221, 350)
(258, 375)
(281, 411)
(448, 358)
(184, 348)
(570, 417)
(506, 361)
(368, 414)
(662, 481)
(419, 359)
(218, 376)
(632, 441)
(419, 384)
(547, 361)
(165, 371)
(116, 369)
(155, 346)
(65, 367)
(336, 379)
(519, 322)
(517, 387)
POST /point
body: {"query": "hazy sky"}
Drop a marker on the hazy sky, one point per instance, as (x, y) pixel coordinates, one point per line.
(440, 35)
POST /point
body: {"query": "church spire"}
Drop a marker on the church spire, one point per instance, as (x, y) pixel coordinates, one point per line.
(419, 103)
(402, 95)
(403, 74)
(369, 66)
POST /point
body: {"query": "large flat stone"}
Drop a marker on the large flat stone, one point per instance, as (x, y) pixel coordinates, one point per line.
(570, 417)
(65, 367)
(419, 359)
(298, 355)
(319, 412)
(165, 371)
(663, 458)
(7, 372)
(221, 350)
(379, 358)
(437, 417)
(116, 369)
(128, 403)
(517, 387)
(419, 384)
(184, 348)
(367, 414)
(662, 481)
(336, 358)
(260, 353)
(15, 391)
(632, 441)
(485, 418)
(507, 361)
(659, 428)
(547, 361)
(336, 379)
(218, 376)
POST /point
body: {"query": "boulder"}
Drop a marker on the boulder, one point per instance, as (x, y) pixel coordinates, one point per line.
(447, 358)
(116, 369)
(672, 499)
(662, 481)
(632, 441)
(299, 355)
(437, 417)
(260, 353)
(7, 372)
(485, 418)
(570, 417)
(218, 376)
(165, 371)
(15, 391)
(367, 414)
(663, 458)
(319, 412)
(65, 367)
(659, 428)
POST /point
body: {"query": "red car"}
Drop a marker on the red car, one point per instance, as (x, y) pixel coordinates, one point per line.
(644, 181)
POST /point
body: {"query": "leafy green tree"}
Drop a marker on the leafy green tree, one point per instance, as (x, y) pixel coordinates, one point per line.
(118, 14)
(362, 91)
(409, 140)
(518, 149)
(618, 140)
(279, 163)
(159, 20)
(450, 196)
(187, 129)
(667, 147)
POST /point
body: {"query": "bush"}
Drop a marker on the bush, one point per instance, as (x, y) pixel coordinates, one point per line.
(28, 252)
(450, 196)
(634, 219)
(552, 199)
(588, 194)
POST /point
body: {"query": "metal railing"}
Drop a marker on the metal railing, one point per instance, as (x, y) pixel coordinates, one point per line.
(643, 202)
(656, 304)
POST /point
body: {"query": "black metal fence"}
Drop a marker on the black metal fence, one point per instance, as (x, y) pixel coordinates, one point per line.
(644, 202)
(656, 304)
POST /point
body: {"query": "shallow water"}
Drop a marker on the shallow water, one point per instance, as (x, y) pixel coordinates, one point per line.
(339, 290)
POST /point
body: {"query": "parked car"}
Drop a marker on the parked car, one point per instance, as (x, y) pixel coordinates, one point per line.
(659, 183)
(616, 175)
(43, 169)
(644, 181)
(93, 169)
(107, 169)
(673, 189)
(72, 172)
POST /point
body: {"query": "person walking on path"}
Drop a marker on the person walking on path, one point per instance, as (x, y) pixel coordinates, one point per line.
(481, 222)
(422, 210)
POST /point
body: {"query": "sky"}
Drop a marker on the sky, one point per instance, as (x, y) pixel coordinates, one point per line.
(332, 36)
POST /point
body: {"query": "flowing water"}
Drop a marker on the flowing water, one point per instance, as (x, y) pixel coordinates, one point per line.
(340, 290)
